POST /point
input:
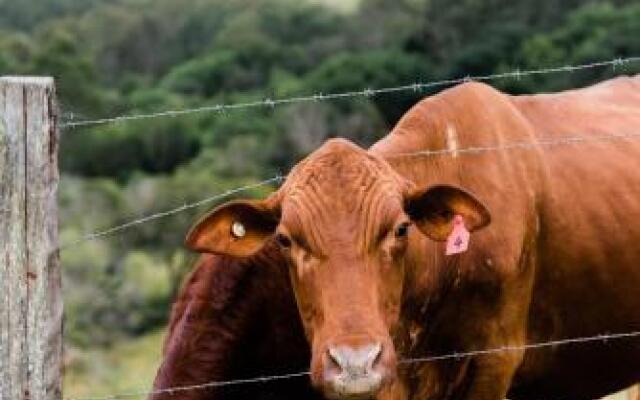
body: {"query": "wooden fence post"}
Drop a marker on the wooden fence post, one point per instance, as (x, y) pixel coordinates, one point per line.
(30, 296)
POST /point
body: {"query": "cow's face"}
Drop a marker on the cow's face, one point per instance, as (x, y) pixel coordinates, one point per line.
(343, 219)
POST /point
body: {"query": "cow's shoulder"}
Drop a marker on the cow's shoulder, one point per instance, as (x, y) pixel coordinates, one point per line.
(461, 104)
(469, 114)
(473, 89)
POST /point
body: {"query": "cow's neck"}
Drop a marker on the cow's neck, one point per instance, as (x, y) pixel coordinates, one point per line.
(431, 278)
(428, 319)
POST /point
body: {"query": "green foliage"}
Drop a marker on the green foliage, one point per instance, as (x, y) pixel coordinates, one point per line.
(152, 146)
(16, 49)
(373, 69)
(206, 76)
(25, 15)
(592, 33)
(61, 56)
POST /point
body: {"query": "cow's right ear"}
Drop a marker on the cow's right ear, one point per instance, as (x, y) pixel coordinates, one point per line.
(238, 228)
(433, 210)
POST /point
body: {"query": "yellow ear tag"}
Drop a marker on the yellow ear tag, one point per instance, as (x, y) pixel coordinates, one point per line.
(238, 230)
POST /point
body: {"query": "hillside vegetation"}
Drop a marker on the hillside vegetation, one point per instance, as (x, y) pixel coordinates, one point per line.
(114, 57)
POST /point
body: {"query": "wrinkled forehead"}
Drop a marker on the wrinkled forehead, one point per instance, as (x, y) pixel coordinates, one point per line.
(338, 186)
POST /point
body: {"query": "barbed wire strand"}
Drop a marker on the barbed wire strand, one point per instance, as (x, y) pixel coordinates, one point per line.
(525, 144)
(208, 385)
(567, 140)
(450, 356)
(367, 92)
(162, 214)
(531, 346)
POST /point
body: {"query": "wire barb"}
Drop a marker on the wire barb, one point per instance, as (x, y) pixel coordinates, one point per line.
(367, 92)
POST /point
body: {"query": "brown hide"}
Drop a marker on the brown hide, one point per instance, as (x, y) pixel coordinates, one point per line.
(235, 319)
(559, 260)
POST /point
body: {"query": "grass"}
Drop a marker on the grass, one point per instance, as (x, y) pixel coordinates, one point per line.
(125, 367)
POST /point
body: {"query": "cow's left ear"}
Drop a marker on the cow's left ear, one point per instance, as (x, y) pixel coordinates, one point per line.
(433, 210)
(238, 228)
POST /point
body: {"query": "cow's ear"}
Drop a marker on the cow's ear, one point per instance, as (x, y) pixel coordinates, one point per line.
(433, 210)
(238, 228)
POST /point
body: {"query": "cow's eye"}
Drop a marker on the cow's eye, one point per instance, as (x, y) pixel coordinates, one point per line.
(283, 240)
(402, 230)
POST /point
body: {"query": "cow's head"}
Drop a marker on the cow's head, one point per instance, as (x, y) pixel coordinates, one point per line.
(343, 219)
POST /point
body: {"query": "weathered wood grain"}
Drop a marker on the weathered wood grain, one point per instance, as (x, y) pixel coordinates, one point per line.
(30, 298)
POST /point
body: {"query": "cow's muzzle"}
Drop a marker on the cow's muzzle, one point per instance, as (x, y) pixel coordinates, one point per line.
(354, 372)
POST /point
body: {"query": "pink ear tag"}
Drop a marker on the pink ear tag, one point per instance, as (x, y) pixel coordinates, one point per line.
(458, 240)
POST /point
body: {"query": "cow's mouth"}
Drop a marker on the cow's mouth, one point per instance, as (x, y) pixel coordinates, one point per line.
(354, 388)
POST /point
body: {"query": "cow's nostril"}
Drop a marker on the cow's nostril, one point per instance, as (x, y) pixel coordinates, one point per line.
(374, 355)
(378, 356)
(333, 358)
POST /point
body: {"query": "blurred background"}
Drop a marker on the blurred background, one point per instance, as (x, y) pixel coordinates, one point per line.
(113, 57)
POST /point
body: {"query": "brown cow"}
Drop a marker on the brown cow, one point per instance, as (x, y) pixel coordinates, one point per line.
(362, 234)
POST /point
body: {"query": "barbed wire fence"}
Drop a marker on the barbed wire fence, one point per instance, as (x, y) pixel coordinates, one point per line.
(366, 92)
(604, 338)
(278, 179)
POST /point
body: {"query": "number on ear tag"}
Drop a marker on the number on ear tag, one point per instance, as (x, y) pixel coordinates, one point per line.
(458, 240)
